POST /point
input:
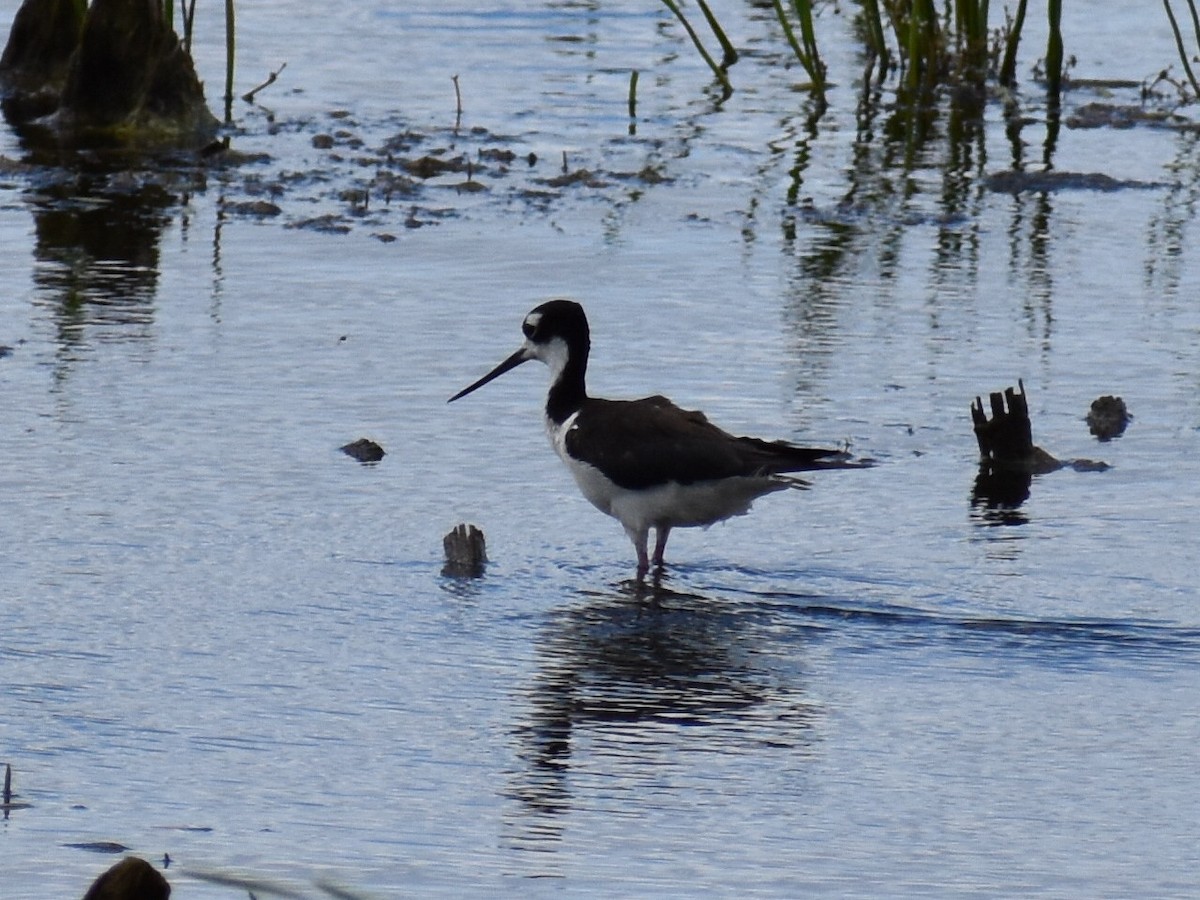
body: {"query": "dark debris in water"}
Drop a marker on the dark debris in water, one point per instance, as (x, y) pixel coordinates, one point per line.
(332, 175)
(364, 451)
(99, 846)
(1050, 181)
(256, 208)
(330, 223)
(1110, 115)
(1108, 417)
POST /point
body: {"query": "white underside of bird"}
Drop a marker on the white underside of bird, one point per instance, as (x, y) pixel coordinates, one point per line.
(665, 506)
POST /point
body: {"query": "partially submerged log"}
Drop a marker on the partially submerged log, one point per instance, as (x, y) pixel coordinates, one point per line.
(127, 77)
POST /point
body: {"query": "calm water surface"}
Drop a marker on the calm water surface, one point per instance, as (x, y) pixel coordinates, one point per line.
(225, 641)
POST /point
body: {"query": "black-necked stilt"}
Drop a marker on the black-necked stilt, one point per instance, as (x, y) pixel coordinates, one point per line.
(648, 463)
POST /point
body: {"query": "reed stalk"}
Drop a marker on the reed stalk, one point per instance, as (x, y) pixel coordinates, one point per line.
(1054, 49)
(230, 44)
(729, 55)
(971, 37)
(806, 52)
(875, 40)
(189, 16)
(1008, 66)
(808, 37)
(716, 70)
(923, 45)
(1183, 54)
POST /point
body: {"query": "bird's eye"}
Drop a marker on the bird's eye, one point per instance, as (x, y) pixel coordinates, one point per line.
(530, 325)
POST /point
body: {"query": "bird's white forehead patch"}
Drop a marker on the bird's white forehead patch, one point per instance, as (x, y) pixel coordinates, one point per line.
(532, 320)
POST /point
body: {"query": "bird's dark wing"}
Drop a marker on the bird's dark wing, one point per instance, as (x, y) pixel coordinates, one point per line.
(642, 443)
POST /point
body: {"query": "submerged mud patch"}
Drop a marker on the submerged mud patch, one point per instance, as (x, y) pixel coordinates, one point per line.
(386, 175)
(335, 175)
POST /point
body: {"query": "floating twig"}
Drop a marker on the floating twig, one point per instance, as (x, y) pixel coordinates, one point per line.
(251, 94)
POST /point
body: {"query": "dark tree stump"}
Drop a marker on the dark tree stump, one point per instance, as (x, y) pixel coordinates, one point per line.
(119, 74)
(34, 66)
(1006, 441)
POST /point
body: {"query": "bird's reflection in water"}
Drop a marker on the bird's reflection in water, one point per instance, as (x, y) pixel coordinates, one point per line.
(634, 684)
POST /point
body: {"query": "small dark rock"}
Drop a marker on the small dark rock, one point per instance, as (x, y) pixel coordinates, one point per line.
(1108, 417)
(322, 141)
(364, 451)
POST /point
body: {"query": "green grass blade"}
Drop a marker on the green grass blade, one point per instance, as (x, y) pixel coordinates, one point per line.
(717, 70)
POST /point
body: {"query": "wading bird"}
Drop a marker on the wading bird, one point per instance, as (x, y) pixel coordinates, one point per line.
(648, 463)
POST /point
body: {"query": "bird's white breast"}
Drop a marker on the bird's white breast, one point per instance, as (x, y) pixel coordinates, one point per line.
(599, 491)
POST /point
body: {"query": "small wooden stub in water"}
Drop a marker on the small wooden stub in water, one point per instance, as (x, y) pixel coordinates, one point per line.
(466, 555)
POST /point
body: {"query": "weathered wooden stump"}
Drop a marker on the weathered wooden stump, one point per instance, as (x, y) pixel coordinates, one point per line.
(466, 554)
(1006, 441)
(34, 66)
(1008, 457)
(130, 879)
(115, 73)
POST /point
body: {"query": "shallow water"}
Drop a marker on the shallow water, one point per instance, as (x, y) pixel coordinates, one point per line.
(226, 641)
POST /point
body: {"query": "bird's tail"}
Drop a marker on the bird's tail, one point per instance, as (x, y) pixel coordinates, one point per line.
(780, 456)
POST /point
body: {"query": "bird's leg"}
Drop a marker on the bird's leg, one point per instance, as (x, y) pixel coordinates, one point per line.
(640, 538)
(660, 543)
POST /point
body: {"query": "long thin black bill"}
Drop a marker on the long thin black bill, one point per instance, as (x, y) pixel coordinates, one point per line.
(511, 363)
